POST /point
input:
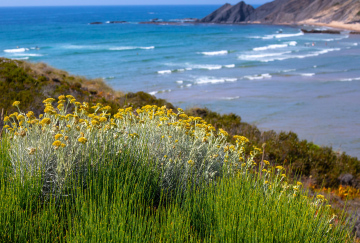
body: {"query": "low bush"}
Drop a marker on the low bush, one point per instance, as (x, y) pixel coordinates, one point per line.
(147, 175)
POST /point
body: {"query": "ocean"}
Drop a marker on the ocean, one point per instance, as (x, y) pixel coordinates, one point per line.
(272, 76)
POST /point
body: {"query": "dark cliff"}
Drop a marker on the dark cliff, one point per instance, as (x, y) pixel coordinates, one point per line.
(230, 14)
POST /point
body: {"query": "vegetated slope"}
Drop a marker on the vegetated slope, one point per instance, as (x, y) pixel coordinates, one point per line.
(294, 11)
(31, 83)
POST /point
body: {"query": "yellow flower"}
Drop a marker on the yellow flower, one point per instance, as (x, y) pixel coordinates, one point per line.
(60, 107)
(45, 121)
(94, 122)
(70, 97)
(266, 182)
(82, 140)
(57, 143)
(16, 103)
(321, 197)
(61, 97)
(266, 162)
(57, 136)
(190, 162)
(66, 138)
(6, 119)
(279, 167)
(20, 117)
(30, 114)
(32, 151)
(165, 156)
(49, 101)
(283, 175)
(299, 183)
(63, 145)
(103, 119)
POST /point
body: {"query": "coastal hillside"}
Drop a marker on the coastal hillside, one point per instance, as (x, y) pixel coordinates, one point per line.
(320, 11)
(289, 12)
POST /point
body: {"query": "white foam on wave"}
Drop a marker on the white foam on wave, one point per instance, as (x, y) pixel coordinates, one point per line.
(269, 57)
(28, 55)
(16, 50)
(260, 57)
(355, 44)
(229, 66)
(231, 98)
(276, 46)
(124, 48)
(213, 80)
(188, 69)
(279, 36)
(114, 48)
(214, 53)
(288, 70)
(292, 43)
(180, 82)
(164, 72)
(269, 47)
(153, 92)
(188, 85)
(307, 74)
(349, 79)
(260, 76)
(208, 67)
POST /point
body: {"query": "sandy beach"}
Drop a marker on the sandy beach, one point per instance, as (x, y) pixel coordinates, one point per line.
(333, 24)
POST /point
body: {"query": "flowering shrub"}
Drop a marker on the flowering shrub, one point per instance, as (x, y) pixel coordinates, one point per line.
(251, 200)
(59, 145)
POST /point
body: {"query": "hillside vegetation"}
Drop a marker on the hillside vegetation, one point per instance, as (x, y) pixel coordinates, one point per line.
(31, 83)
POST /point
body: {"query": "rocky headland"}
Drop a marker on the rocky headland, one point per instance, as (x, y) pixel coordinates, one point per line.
(343, 14)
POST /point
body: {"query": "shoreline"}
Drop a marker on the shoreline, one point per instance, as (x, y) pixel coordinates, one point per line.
(333, 24)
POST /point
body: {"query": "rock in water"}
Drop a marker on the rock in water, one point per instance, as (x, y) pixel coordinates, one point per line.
(320, 31)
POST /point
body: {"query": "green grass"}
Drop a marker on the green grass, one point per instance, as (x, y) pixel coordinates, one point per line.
(122, 202)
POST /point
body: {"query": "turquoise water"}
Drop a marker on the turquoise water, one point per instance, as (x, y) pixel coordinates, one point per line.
(272, 76)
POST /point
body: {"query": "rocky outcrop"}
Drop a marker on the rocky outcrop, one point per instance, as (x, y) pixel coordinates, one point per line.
(117, 22)
(320, 31)
(230, 14)
(295, 11)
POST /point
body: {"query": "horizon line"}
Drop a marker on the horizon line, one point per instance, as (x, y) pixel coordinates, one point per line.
(109, 5)
(97, 5)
